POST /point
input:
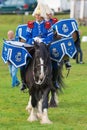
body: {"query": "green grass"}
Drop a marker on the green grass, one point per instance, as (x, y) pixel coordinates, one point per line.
(71, 114)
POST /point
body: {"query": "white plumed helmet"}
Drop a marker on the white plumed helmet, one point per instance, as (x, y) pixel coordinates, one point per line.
(43, 9)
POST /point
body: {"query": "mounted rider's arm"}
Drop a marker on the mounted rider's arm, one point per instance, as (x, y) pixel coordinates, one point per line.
(54, 20)
(49, 33)
(29, 30)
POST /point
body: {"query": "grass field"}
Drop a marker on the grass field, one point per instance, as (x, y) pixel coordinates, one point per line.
(71, 114)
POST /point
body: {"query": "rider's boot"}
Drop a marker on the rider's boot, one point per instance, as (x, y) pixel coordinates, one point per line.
(22, 74)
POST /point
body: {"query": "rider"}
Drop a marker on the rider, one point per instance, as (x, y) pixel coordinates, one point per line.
(41, 30)
(52, 20)
(49, 17)
(37, 30)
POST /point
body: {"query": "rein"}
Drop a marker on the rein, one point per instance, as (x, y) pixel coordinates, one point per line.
(40, 65)
(40, 81)
(39, 76)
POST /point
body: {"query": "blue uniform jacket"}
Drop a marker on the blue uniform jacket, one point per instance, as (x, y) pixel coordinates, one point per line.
(41, 30)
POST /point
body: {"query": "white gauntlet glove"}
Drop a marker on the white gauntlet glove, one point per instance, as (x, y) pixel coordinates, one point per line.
(37, 39)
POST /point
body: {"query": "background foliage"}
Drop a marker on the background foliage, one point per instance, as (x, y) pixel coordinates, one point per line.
(71, 114)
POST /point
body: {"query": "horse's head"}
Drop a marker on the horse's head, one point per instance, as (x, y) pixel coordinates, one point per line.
(41, 61)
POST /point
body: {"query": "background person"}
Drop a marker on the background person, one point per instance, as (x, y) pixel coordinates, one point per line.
(79, 54)
(12, 69)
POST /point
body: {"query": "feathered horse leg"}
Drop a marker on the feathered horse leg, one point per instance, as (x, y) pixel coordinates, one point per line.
(44, 117)
(53, 99)
(58, 84)
(33, 111)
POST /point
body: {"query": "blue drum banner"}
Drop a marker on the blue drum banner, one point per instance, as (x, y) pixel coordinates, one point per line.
(65, 27)
(60, 48)
(15, 54)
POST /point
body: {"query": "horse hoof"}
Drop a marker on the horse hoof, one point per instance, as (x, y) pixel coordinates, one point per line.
(32, 119)
(52, 105)
(39, 115)
(28, 109)
(46, 122)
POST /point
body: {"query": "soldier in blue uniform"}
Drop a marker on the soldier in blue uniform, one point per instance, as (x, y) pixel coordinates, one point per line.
(37, 30)
(49, 15)
(41, 29)
(52, 20)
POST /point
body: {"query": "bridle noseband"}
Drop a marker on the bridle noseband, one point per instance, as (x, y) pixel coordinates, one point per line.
(40, 82)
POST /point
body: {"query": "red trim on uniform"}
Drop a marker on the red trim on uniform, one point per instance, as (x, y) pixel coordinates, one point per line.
(47, 25)
(30, 24)
(54, 20)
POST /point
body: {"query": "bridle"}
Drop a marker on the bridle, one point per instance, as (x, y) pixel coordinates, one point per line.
(35, 67)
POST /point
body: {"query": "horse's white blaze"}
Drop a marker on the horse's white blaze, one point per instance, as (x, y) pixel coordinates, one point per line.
(41, 68)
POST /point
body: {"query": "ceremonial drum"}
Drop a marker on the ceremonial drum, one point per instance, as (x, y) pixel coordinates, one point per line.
(15, 52)
(60, 49)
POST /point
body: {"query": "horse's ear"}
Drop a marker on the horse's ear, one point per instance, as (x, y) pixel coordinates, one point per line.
(48, 45)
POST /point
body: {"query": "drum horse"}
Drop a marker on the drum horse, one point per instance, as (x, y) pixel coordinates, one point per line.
(39, 67)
